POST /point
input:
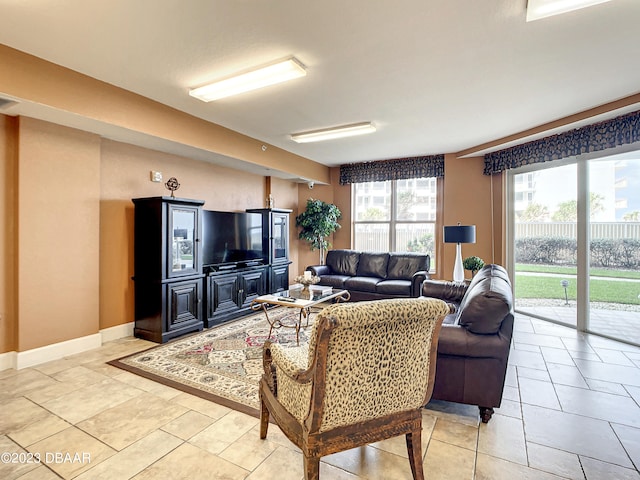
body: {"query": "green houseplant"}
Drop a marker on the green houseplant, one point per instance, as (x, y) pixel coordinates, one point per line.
(473, 263)
(317, 222)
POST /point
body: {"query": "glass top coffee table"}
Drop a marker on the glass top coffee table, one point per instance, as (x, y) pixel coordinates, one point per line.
(302, 299)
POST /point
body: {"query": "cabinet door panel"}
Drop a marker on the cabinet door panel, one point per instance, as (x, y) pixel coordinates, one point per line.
(184, 299)
(223, 294)
(183, 237)
(279, 278)
(252, 285)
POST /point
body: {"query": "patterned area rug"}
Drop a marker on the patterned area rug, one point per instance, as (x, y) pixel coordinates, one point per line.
(222, 364)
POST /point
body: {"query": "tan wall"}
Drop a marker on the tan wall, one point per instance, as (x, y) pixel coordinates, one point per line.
(125, 173)
(8, 244)
(469, 199)
(58, 233)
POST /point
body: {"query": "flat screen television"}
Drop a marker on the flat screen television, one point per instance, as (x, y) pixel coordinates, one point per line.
(231, 238)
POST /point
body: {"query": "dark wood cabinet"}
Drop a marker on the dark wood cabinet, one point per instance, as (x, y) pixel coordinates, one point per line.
(229, 295)
(167, 267)
(275, 242)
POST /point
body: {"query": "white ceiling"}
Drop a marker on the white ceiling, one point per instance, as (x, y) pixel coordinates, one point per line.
(435, 76)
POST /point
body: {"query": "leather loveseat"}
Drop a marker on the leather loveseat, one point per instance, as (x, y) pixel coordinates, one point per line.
(373, 275)
(473, 348)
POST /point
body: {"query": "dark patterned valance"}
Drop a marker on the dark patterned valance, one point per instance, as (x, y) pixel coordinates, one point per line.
(396, 169)
(621, 130)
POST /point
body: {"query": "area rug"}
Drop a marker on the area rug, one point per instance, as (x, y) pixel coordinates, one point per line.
(222, 364)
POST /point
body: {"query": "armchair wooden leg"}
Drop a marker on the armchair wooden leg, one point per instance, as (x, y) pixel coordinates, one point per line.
(414, 449)
(311, 468)
(264, 419)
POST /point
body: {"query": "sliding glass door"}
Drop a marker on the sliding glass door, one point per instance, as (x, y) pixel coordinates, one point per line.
(614, 247)
(545, 241)
(576, 244)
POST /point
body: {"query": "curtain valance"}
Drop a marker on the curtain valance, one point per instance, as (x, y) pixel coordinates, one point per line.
(395, 169)
(621, 130)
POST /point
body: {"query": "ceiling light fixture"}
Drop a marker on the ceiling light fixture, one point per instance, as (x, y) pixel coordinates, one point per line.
(264, 76)
(537, 9)
(334, 132)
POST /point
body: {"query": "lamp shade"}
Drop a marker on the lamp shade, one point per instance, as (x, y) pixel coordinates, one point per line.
(460, 234)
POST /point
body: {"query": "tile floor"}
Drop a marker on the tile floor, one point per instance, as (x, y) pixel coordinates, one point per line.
(570, 411)
(610, 322)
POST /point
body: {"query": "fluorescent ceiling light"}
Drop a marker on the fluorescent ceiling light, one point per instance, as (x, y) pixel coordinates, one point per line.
(334, 132)
(537, 9)
(251, 80)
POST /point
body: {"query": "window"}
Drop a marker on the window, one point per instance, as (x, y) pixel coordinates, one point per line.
(395, 216)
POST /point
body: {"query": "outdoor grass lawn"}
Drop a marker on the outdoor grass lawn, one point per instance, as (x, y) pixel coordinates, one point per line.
(610, 291)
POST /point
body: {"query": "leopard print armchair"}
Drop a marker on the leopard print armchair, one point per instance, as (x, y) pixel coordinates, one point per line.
(364, 376)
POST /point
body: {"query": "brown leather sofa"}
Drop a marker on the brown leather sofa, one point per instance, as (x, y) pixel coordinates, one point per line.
(374, 275)
(473, 348)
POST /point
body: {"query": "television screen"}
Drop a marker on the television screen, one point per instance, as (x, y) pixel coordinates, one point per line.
(231, 237)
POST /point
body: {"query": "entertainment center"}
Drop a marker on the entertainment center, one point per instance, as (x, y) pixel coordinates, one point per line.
(197, 268)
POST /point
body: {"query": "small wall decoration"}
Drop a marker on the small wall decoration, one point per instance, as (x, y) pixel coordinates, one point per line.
(172, 185)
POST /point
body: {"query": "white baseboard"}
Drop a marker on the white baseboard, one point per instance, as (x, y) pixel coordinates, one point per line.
(7, 360)
(56, 351)
(119, 331)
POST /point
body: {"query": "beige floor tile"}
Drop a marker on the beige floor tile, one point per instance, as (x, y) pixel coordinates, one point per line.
(555, 461)
(282, 464)
(40, 473)
(14, 465)
(91, 400)
(83, 452)
(455, 412)
(210, 409)
(115, 427)
(445, 461)
(371, 463)
(503, 437)
(135, 458)
(630, 439)
(55, 366)
(23, 381)
(39, 430)
(224, 432)
(491, 468)
(147, 385)
(455, 433)
(509, 408)
(188, 424)
(275, 435)
(597, 470)
(188, 462)
(51, 392)
(573, 433)
(19, 413)
(79, 375)
(398, 445)
(249, 451)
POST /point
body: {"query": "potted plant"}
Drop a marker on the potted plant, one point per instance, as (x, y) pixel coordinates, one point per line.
(317, 222)
(473, 263)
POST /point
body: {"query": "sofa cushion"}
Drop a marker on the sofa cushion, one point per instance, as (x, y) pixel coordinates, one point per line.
(488, 301)
(373, 265)
(335, 281)
(400, 288)
(343, 262)
(362, 284)
(403, 266)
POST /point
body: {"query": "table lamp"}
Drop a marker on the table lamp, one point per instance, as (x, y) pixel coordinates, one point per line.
(459, 234)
